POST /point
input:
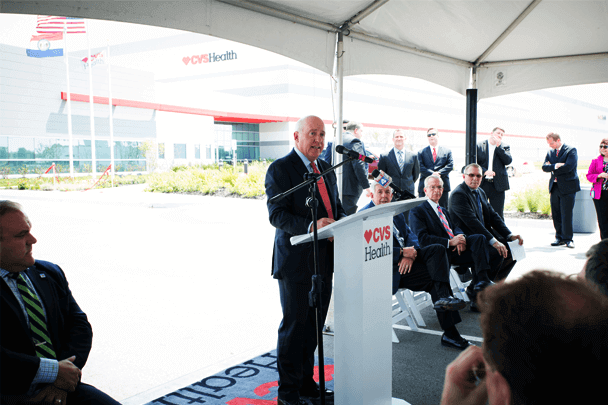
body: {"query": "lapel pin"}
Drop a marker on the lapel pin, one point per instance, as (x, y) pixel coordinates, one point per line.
(42, 275)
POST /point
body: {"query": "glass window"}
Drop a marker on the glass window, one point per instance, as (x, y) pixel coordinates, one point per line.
(3, 147)
(102, 150)
(179, 151)
(197, 151)
(208, 152)
(161, 150)
(21, 148)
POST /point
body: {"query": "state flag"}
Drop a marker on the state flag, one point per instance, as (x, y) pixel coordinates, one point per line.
(45, 45)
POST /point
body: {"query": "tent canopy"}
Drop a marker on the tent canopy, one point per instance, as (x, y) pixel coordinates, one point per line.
(513, 46)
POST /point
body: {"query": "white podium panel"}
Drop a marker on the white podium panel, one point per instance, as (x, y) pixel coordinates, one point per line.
(362, 295)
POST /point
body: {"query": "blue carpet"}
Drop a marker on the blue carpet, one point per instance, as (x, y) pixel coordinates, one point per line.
(253, 382)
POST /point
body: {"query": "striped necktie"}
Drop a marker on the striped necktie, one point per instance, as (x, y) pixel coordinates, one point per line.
(38, 328)
(401, 161)
(323, 192)
(434, 155)
(444, 221)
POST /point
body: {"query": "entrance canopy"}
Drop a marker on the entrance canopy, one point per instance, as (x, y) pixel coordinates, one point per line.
(512, 46)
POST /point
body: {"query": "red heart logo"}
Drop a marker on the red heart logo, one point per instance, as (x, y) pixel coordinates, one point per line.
(186, 59)
(368, 235)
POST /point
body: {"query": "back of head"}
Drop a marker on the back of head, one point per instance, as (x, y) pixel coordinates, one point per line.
(352, 125)
(547, 334)
(596, 268)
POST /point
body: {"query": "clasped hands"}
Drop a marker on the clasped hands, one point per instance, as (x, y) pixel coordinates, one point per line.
(67, 379)
(408, 255)
(459, 243)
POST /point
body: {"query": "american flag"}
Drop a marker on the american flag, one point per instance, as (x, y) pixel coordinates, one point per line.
(50, 24)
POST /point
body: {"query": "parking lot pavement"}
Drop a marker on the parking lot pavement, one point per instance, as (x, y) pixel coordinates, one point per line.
(176, 286)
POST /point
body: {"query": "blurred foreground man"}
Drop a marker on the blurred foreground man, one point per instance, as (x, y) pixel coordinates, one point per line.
(293, 266)
(545, 341)
(45, 336)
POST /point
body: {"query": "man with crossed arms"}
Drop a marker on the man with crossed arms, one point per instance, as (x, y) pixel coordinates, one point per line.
(432, 224)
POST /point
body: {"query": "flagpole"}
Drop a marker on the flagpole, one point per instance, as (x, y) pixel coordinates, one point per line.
(92, 107)
(111, 115)
(69, 100)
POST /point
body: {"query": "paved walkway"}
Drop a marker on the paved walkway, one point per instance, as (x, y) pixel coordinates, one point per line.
(178, 287)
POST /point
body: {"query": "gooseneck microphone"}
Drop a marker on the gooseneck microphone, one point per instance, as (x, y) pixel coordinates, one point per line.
(351, 153)
(383, 179)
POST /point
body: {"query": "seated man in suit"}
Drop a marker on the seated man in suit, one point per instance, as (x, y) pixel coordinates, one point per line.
(539, 333)
(45, 336)
(422, 269)
(432, 224)
(471, 212)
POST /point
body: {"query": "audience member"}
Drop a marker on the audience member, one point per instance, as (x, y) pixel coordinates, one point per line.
(472, 213)
(292, 265)
(401, 164)
(327, 154)
(545, 340)
(595, 269)
(45, 338)
(354, 173)
(432, 224)
(561, 162)
(598, 176)
(422, 269)
(493, 156)
(435, 160)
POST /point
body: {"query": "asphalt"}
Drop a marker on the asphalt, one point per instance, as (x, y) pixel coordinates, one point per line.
(178, 287)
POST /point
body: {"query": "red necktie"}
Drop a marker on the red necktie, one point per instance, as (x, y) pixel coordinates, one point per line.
(434, 155)
(556, 152)
(444, 221)
(323, 192)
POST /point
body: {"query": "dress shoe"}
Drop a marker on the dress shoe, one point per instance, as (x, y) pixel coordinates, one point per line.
(558, 242)
(459, 344)
(449, 304)
(299, 401)
(481, 286)
(315, 392)
(473, 307)
(570, 245)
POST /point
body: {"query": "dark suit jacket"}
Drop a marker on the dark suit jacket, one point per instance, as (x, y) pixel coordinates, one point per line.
(411, 169)
(409, 240)
(465, 215)
(428, 227)
(354, 173)
(327, 154)
(69, 329)
(502, 158)
(291, 217)
(567, 176)
(444, 165)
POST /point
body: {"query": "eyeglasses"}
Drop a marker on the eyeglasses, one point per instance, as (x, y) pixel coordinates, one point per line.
(603, 146)
(471, 175)
(436, 187)
(432, 134)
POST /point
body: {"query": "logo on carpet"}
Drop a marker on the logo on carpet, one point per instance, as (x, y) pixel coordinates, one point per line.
(253, 382)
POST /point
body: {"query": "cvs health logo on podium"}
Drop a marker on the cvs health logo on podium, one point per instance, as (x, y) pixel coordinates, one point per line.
(379, 241)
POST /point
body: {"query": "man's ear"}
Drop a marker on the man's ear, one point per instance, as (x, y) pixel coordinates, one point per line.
(295, 135)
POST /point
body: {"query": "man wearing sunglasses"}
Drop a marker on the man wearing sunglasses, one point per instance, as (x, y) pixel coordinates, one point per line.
(561, 162)
(471, 212)
(436, 161)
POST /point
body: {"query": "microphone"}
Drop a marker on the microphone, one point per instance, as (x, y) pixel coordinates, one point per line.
(383, 179)
(351, 153)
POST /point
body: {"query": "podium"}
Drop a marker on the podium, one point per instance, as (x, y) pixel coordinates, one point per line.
(363, 251)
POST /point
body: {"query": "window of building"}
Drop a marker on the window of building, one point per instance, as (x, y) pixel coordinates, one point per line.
(179, 151)
(247, 138)
(207, 152)
(197, 151)
(161, 150)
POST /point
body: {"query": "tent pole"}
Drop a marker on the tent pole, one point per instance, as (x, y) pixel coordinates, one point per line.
(471, 134)
(337, 158)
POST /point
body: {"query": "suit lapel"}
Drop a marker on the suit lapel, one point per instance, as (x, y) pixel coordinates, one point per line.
(11, 301)
(435, 218)
(393, 159)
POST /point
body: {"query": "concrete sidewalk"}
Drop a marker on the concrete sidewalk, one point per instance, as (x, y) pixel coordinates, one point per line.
(178, 287)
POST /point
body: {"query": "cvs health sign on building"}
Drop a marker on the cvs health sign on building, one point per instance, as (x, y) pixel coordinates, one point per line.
(209, 58)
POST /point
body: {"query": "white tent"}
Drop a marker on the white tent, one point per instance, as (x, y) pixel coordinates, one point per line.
(481, 48)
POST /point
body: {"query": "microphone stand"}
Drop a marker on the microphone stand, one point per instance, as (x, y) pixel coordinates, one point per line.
(314, 296)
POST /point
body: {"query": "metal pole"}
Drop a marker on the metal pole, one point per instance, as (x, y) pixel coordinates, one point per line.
(337, 158)
(69, 102)
(471, 137)
(92, 107)
(111, 115)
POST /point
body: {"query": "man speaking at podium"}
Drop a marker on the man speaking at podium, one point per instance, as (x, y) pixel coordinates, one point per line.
(293, 266)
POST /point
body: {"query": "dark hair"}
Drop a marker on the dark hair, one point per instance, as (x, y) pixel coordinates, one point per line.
(596, 268)
(494, 130)
(553, 136)
(7, 206)
(546, 333)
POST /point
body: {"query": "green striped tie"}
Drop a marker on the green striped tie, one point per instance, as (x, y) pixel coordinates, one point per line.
(33, 307)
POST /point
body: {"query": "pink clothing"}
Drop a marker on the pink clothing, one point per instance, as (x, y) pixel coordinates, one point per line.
(596, 167)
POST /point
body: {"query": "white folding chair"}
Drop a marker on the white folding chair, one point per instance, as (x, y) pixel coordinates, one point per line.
(401, 311)
(458, 287)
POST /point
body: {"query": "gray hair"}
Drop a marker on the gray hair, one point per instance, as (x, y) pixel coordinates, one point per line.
(7, 206)
(302, 122)
(353, 125)
(472, 165)
(374, 183)
(428, 180)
